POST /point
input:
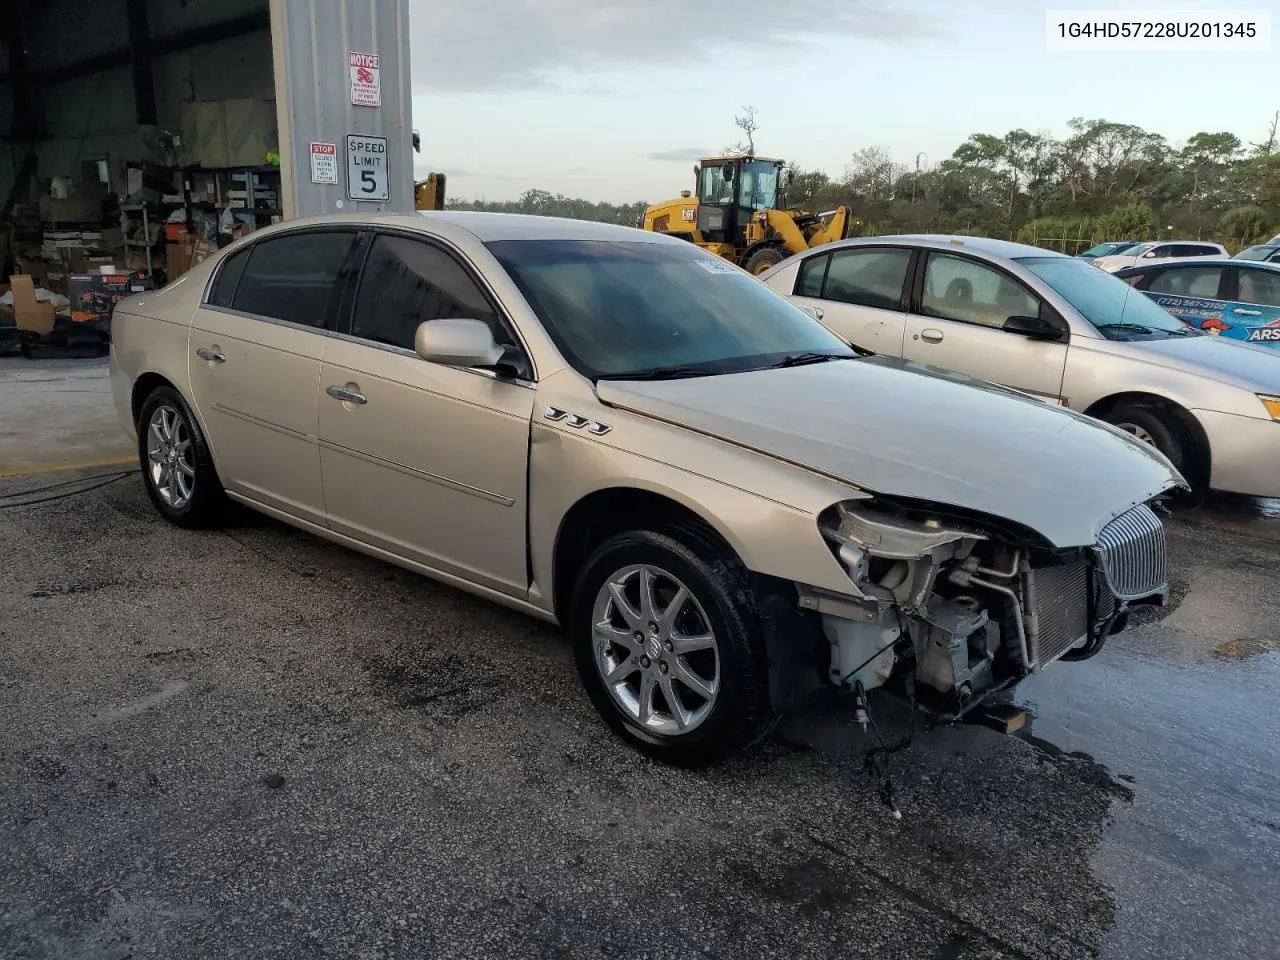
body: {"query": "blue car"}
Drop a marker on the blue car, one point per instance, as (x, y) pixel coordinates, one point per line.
(1235, 299)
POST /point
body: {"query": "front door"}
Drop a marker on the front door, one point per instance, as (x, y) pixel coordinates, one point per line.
(256, 346)
(860, 292)
(426, 461)
(957, 322)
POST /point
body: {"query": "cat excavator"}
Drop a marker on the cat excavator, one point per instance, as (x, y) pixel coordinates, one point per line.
(738, 213)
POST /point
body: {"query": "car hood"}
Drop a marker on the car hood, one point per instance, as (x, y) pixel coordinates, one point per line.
(1243, 364)
(896, 428)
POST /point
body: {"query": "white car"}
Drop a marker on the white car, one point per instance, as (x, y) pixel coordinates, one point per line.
(1154, 252)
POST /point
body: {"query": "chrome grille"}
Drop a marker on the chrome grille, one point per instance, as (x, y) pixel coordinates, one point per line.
(1062, 609)
(1131, 551)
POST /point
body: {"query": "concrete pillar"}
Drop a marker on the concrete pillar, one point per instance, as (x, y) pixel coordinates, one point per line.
(317, 47)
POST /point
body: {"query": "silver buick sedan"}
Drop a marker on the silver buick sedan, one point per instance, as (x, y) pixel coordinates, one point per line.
(1057, 328)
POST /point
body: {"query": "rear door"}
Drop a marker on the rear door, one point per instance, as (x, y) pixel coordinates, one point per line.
(1194, 294)
(256, 346)
(958, 308)
(1253, 306)
(861, 293)
(428, 461)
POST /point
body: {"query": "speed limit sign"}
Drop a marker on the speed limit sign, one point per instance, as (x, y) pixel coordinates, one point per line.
(367, 174)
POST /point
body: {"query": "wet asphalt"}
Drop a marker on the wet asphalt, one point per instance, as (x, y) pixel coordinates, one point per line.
(251, 743)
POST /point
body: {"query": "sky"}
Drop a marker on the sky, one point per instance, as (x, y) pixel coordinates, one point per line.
(614, 99)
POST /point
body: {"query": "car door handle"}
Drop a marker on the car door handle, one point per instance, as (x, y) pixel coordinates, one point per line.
(817, 312)
(210, 354)
(347, 396)
(931, 336)
(1247, 313)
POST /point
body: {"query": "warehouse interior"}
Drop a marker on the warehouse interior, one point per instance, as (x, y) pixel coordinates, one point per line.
(138, 137)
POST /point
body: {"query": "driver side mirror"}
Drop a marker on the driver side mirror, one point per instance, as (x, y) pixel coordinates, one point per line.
(457, 343)
(1034, 328)
(1149, 255)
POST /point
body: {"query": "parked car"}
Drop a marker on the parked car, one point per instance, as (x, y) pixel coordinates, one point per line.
(1056, 328)
(617, 431)
(1108, 249)
(1153, 252)
(1236, 299)
(1263, 252)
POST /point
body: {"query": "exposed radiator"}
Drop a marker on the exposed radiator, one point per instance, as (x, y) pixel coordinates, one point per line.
(1062, 608)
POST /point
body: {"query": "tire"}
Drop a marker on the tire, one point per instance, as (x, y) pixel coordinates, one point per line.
(198, 500)
(763, 259)
(1155, 426)
(700, 731)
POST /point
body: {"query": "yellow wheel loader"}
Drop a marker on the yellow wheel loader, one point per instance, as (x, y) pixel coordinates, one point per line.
(737, 213)
(428, 194)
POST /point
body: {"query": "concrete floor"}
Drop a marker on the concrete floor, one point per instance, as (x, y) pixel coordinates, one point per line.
(447, 789)
(57, 413)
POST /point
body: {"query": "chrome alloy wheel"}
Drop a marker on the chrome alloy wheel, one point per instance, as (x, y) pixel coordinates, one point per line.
(169, 456)
(1138, 432)
(655, 650)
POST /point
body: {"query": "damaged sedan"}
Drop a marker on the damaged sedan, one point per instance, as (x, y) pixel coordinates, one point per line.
(726, 507)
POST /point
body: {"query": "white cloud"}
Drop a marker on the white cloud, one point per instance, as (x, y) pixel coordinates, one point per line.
(494, 44)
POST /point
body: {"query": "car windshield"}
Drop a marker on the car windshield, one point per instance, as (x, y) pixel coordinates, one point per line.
(1117, 310)
(644, 309)
(1106, 249)
(1260, 252)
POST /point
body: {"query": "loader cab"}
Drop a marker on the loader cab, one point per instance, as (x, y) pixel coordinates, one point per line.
(730, 191)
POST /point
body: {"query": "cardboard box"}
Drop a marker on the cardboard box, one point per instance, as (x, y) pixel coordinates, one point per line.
(28, 312)
(93, 295)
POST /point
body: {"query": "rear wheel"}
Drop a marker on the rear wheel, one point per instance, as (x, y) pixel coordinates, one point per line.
(177, 469)
(671, 656)
(763, 259)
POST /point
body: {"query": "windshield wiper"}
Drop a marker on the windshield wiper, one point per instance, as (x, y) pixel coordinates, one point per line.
(1135, 327)
(661, 373)
(798, 359)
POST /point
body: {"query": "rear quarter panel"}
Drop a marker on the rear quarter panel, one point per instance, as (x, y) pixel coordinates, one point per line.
(149, 338)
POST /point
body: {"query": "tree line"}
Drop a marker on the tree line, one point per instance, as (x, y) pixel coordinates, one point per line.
(1104, 180)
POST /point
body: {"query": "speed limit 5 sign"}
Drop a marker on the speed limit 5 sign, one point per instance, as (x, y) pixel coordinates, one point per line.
(367, 174)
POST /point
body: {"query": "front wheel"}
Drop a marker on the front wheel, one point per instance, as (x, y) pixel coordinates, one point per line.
(763, 259)
(666, 650)
(1152, 425)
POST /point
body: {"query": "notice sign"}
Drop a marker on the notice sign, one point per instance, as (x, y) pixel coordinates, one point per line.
(366, 79)
(367, 175)
(324, 162)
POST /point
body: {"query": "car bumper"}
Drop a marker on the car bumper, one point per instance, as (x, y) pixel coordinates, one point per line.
(122, 395)
(1245, 452)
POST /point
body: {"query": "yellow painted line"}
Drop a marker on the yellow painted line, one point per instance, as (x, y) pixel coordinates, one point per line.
(67, 465)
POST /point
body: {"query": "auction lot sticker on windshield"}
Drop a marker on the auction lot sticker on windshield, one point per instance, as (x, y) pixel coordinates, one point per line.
(324, 162)
(367, 174)
(716, 266)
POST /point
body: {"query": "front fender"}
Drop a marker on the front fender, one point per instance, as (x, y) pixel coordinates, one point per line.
(770, 535)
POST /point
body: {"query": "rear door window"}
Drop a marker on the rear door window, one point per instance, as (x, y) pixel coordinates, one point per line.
(868, 278)
(224, 284)
(294, 277)
(812, 273)
(1202, 282)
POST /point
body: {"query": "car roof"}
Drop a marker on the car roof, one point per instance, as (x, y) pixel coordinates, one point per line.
(945, 241)
(486, 226)
(1188, 264)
